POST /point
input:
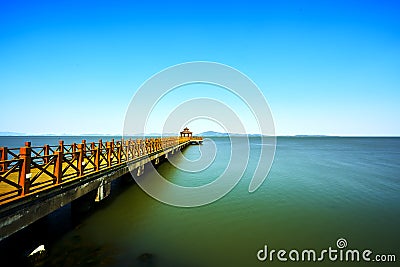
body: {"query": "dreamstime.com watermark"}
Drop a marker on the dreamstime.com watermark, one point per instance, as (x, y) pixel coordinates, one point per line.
(339, 253)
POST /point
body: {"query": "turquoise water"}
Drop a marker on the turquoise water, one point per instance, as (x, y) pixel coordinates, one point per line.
(319, 189)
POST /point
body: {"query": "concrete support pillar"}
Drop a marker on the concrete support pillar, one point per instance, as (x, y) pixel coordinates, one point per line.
(140, 170)
(103, 191)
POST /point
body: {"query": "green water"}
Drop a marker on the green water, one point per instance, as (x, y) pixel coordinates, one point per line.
(318, 190)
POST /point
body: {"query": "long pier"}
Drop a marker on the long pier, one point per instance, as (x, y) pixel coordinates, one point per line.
(35, 181)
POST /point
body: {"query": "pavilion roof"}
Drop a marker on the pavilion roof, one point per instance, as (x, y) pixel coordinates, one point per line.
(186, 130)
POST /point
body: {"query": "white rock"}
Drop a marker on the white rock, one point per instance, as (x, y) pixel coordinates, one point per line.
(39, 249)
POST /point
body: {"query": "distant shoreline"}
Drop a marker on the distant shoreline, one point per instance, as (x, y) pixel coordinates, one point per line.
(2, 134)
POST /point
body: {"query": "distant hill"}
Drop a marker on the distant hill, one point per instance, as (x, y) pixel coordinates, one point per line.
(11, 134)
(212, 133)
(216, 134)
(311, 135)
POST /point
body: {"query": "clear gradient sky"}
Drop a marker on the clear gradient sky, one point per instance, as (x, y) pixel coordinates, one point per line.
(325, 67)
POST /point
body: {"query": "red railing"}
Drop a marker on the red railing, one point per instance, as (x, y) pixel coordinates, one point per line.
(28, 169)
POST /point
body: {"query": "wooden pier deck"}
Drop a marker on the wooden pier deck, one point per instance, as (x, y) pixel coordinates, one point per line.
(35, 181)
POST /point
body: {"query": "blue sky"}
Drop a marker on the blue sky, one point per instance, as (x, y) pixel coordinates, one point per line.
(325, 67)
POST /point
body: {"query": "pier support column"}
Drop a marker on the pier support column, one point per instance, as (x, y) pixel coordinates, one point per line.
(140, 170)
(103, 191)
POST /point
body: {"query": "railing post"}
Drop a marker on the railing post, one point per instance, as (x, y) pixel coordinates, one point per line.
(119, 152)
(109, 153)
(73, 148)
(61, 146)
(97, 159)
(101, 145)
(127, 150)
(133, 147)
(46, 151)
(138, 149)
(58, 166)
(112, 146)
(25, 171)
(84, 146)
(4, 156)
(81, 162)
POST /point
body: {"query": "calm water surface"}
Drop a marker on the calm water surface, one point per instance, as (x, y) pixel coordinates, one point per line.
(318, 190)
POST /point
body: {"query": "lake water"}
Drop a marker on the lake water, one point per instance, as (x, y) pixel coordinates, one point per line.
(319, 189)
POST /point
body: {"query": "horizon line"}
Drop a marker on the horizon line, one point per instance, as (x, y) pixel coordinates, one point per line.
(12, 134)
